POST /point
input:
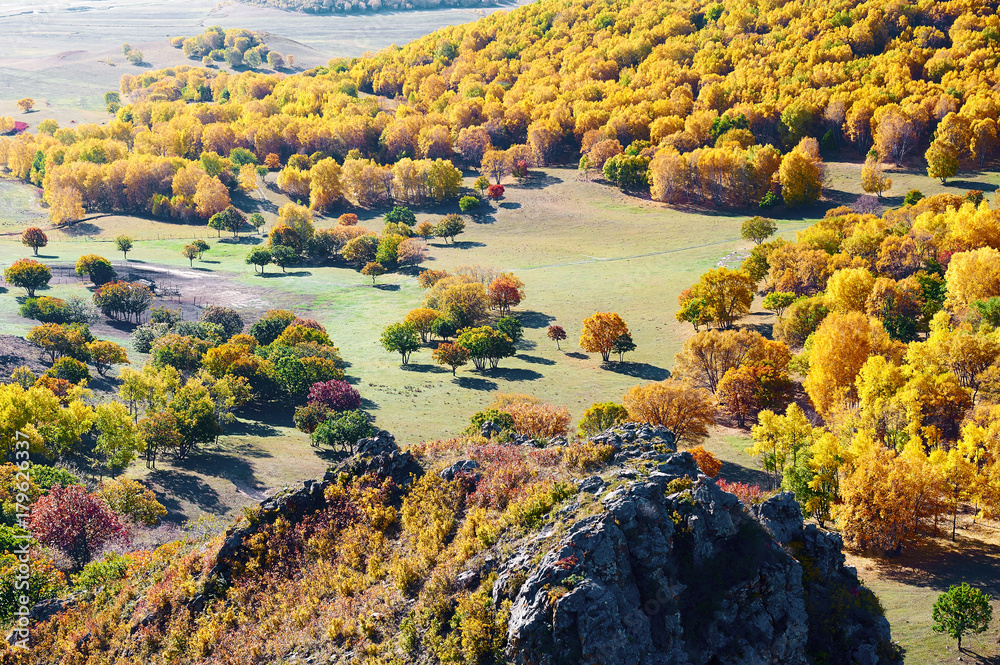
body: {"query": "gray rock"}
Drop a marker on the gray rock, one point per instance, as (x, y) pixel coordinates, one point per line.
(781, 516)
(462, 466)
(592, 485)
(490, 429)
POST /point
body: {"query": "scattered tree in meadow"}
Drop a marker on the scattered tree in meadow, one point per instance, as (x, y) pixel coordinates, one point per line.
(505, 291)
(374, 270)
(422, 320)
(97, 268)
(942, 161)
(721, 296)
(283, 256)
(124, 244)
(486, 345)
(449, 227)
(28, 275)
(104, 354)
(556, 334)
(758, 229)
(34, 238)
(123, 301)
(683, 409)
(26, 104)
(259, 257)
(189, 252)
(623, 344)
(873, 178)
(400, 338)
(962, 610)
(335, 395)
(600, 332)
(495, 192)
(450, 355)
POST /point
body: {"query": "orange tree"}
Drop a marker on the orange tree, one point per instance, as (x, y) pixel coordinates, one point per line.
(600, 332)
(685, 410)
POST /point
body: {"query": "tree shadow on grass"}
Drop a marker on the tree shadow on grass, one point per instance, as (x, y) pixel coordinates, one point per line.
(532, 319)
(510, 205)
(271, 415)
(638, 370)
(426, 369)
(939, 563)
(122, 326)
(536, 360)
(577, 355)
(173, 486)
(515, 374)
(369, 405)
(475, 383)
(467, 244)
(387, 287)
(245, 427)
(539, 180)
(295, 273)
(228, 465)
(241, 240)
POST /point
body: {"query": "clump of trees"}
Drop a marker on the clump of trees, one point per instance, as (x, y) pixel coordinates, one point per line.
(236, 47)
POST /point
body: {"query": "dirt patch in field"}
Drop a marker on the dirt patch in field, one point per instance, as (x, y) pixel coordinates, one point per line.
(17, 351)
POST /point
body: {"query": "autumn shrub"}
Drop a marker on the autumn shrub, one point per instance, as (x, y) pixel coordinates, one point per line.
(69, 369)
(133, 501)
(706, 461)
(429, 514)
(103, 573)
(601, 416)
(539, 421)
(747, 493)
(500, 418)
(46, 309)
(539, 499)
(587, 456)
(505, 472)
(44, 581)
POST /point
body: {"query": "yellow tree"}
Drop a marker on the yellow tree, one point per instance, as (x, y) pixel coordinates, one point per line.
(66, 205)
(780, 440)
(848, 289)
(873, 178)
(841, 345)
(727, 293)
(685, 410)
(801, 179)
(957, 477)
(600, 332)
(708, 355)
(972, 276)
(942, 160)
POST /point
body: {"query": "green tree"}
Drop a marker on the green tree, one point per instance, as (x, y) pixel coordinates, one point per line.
(229, 219)
(623, 344)
(758, 229)
(962, 610)
(283, 256)
(511, 327)
(402, 338)
(343, 431)
(778, 301)
(259, 256)
(124, 244)
(401, 215)
(256, 220)
(449, 227)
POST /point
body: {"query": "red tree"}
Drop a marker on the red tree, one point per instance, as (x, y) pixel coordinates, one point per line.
(495, 192)
(556, 334)
(74, 521)
(336, 395)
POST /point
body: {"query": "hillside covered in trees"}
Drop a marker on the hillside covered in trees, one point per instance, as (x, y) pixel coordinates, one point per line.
(702, 103)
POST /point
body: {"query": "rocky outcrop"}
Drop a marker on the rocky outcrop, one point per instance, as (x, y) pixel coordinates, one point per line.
(663, 576)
